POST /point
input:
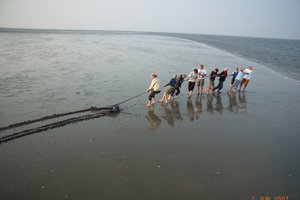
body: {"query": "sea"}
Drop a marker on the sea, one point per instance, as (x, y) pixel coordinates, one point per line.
(217, 146)
(282, 56)
(76, 68)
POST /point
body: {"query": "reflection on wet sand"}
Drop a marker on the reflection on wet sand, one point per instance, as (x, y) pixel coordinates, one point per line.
(176, 110)
(232, 104)
(168, 116)
(190, 109)
(198, 106)
(153, 119)
(172, 113)
(194, 108)
(209, 104)
(219, 105)
(243, 102)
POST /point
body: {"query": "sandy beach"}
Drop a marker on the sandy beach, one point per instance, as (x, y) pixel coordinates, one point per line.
(206, 147)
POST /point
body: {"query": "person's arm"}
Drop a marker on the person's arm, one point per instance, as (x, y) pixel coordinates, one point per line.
(222, 74)
(187, 78)
(150, 87)
(168, 83)
(204, 74)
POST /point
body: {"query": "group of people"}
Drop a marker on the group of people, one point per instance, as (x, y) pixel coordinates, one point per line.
(240, 79)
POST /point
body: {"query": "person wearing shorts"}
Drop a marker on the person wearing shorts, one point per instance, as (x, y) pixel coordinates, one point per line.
(211, 83)
(170, 90)
(246, 79)
(201, 75)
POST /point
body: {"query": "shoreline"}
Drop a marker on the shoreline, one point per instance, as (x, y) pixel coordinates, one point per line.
(213, 41)
(213, 147)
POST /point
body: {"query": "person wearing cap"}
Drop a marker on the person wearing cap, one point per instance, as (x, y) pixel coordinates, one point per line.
(154, 89)
(222, 78)
(201, 75)
(246, 79)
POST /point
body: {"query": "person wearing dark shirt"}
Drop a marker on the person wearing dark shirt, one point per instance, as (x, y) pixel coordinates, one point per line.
(169, 90)
(178, 84)
(212, 77)
(222, 78)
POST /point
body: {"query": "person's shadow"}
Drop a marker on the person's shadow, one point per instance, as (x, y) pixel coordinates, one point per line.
(219, 105)
(190, 109)
(233, 104)
(176, 110)
(209, 104)
(242, 102)
(153, 120)
(168, 115)
(198, 106)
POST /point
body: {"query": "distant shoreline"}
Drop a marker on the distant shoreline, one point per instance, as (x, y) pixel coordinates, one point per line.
(41, 30)
(259, 50)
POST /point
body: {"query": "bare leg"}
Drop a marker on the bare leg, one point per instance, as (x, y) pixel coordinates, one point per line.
(148, 104)
(163, 98)
(242, 83)
(153, 101)
(246, 83)
(200, 89)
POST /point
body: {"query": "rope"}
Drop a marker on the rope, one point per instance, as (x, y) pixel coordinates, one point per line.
(51, 117)
(16, 135)
(102, 111)
(42, 119)
(131, 98)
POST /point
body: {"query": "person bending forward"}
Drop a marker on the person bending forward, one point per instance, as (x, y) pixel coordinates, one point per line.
(154, 89)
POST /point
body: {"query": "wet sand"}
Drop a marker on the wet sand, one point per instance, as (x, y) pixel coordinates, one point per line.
(210, 147)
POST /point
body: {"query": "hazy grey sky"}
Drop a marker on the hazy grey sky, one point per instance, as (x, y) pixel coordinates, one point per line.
(256, 18)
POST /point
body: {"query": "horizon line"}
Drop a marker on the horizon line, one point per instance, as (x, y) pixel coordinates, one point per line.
(14, 29)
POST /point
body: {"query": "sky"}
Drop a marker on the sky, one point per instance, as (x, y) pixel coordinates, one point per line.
(251, 18)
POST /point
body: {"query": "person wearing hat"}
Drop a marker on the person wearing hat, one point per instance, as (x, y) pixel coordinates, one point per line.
(222, 78)
(154, 89)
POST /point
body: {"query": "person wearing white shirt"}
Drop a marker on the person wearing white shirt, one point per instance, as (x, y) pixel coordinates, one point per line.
(192, 78)
(246, 79)
(201, 75)
(237, 81)
(154, 89)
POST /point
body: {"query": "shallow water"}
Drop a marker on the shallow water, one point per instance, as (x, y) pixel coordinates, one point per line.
(214, 147)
